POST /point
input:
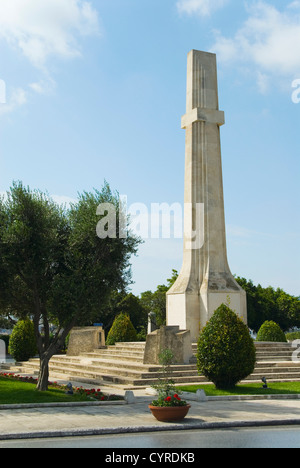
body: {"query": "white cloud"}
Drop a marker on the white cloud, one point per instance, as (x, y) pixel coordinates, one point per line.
(200, 7)
(45, 28)
(41, 30)
(262, 82)
(17, 99)
(45, 86)
(268, 39)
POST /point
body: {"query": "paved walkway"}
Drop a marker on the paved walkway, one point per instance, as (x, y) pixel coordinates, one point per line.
(58, 421)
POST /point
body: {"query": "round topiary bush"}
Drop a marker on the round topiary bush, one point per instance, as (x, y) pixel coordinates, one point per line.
(271, 331)
(22, 343)
(122, 330)
(226, 352)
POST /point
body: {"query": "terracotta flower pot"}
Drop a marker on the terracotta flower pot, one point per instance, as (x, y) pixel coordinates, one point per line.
(169, 413)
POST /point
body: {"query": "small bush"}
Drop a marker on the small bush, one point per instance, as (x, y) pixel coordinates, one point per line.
(22, 343)
(226, 352)
(293, 336)
(270, 331)
(122, 330)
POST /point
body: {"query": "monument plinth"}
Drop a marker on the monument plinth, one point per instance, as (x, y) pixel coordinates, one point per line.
(205, 280)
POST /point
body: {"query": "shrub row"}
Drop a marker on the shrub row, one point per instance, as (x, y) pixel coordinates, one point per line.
(226, 352)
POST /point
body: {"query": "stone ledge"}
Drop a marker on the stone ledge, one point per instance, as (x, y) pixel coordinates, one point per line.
(62, 405)
(144, 429)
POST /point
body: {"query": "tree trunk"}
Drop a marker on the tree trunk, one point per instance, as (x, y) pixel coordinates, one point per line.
(45, 357)
(43, 379)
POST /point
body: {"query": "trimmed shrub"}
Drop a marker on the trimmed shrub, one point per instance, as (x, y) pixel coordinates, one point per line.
(22, 343)
(122, 330)
(226, 352)
(271, 331)
(293, 336)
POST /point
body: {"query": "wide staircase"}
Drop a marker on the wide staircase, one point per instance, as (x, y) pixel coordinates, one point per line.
(122, 365)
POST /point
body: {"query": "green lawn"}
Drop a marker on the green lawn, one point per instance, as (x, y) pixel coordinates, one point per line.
(15, 392)
(281, 388)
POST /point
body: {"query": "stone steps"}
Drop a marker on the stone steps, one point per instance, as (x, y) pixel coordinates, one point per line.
(119, 368)
(115, 356)
(122, 364)
(107, 370)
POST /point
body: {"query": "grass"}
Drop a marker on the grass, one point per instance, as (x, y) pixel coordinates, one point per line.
(277, 388)
(16, 392)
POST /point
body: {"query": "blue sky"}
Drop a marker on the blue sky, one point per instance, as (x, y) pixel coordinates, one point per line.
(95, 90)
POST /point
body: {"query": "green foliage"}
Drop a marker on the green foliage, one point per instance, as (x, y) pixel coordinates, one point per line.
(168, 395)
(271, 331)
(274, 388)
(22, 343)
(120, 302)
(226, 352)
(156, 301)
(95, 267)
(130, 304)
(22, 390)
(122, 330)
(5, 322)
(53, 266)
(136, 307)
(293, 336)
(270, 304)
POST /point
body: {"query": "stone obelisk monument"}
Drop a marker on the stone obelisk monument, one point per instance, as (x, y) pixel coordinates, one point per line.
(205, 281)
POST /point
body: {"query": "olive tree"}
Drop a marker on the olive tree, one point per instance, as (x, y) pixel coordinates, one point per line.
(54, 268)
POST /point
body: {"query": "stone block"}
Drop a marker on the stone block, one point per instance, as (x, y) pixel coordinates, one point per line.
(178, 341)
(85, 340)
(129, 397)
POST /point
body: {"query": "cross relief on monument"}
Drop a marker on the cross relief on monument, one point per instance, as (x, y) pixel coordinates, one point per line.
(205, 280)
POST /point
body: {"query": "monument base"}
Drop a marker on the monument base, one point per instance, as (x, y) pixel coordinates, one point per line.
(192, 310)
(178, 341)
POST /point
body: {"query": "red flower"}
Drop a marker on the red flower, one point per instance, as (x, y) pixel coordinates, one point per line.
(168, 398)
(177, 397)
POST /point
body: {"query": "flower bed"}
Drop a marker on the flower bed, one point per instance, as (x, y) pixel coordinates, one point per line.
(94, 394)
(88, 394)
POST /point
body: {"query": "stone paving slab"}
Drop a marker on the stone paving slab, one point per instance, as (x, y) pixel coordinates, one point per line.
(94, 420)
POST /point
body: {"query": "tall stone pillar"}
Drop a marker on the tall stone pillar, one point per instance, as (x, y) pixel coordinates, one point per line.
(205, 280)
